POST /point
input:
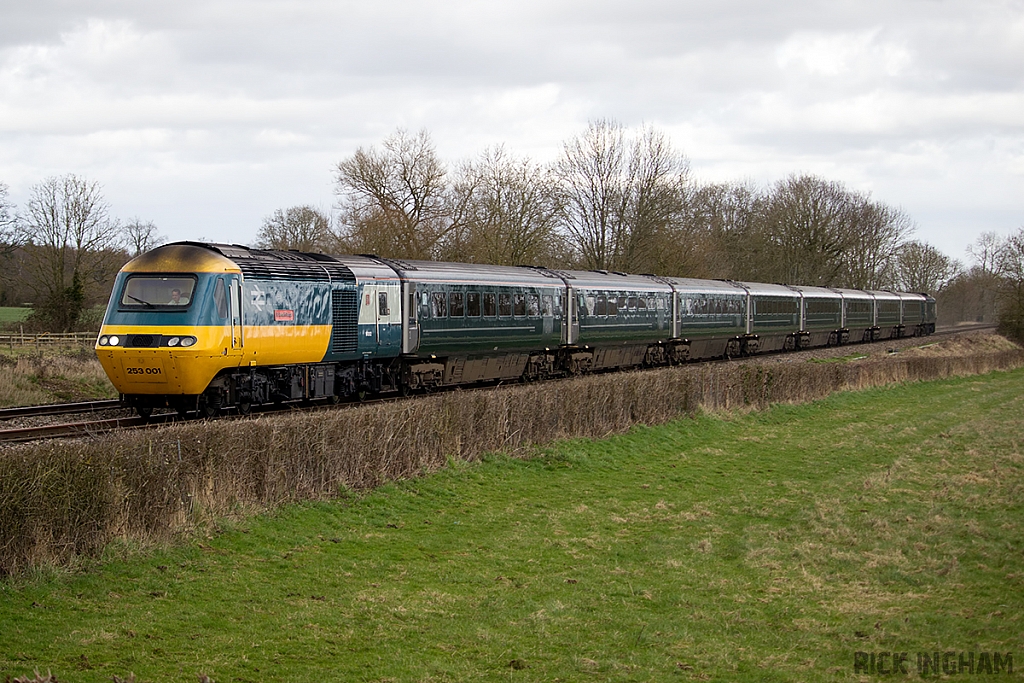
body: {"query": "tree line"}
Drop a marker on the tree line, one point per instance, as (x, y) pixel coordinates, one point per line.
(61, 252)
(615, 199)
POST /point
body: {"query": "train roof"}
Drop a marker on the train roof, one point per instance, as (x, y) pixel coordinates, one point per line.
(817, 292)
(912, 296)
(689, 284)
(181, 257)
(266, 264)
(477, 273)
(853, 293)
(761, 289)
(610, 279)
(883, 295)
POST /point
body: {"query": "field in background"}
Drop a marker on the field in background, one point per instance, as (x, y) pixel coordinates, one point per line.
(765, 546)
(13, 314)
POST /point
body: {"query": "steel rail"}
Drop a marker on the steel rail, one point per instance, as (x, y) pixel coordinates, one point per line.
(59, 409)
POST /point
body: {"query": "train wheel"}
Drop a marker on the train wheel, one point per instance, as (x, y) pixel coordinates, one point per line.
(244, 406)
(145, 412)
(208, 405)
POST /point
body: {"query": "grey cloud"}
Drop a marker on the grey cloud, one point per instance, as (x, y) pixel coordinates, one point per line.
(176, 90)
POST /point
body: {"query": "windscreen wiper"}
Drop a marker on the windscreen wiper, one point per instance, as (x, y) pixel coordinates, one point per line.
(141, 301)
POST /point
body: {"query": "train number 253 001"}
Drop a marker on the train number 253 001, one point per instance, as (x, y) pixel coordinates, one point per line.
(142, 371)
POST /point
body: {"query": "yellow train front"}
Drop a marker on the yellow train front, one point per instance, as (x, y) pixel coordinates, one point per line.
(200, 327)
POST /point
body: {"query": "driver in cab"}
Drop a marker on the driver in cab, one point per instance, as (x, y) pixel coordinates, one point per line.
(176, 299)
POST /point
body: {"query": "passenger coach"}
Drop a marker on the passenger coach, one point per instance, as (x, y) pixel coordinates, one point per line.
(200, 327)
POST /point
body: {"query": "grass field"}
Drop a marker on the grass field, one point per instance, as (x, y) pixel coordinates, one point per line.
(13, 314)
(766, 546)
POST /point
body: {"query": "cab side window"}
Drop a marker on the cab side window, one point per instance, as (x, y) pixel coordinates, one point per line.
(220, 298)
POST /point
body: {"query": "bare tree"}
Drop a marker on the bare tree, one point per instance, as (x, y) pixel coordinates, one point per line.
(1010, 267)
(394, 201)
(10, 238)
(141, 236)
(619, 195)
(921, 267)
(719, 236)
(303, 228)
(508, 213)
(590, 175)
(70, 243)
(807, 222)
(877, 234)
(986, 252)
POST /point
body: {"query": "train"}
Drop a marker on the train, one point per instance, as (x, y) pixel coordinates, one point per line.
(202, 327)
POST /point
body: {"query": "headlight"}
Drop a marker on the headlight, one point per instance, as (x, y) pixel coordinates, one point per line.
(114, 340)
(104, 340)
(173, 341)
(188, 341)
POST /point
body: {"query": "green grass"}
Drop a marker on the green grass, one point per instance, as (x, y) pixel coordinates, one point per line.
(13, 314)
(758, 547)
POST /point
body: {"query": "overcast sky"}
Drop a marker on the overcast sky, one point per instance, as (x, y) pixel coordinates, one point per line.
(205, 116)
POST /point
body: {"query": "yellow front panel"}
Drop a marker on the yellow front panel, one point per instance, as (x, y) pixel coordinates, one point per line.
(167, 370)
(176, 370)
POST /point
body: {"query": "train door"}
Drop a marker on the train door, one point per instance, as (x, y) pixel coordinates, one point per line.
(572, 318)
(547, 313)
(383, 315)
(235, 318)
(676, 315)
(411, 325)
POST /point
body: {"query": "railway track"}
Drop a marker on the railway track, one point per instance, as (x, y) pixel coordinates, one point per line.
(59, 409)
(71, 429)
(97, 427)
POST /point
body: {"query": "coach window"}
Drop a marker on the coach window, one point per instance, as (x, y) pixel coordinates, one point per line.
(382, 303)
(504, 304)
(601, 305)
(473, 304)
(613, 306)
(632, 303)
(456, 305)
(641, 304)
(439, 305)
(533, 305)
(519, 304)
(547, 305)
(621, 303)
(490, 307)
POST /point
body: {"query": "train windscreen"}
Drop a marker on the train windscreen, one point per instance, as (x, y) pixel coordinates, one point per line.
(149, 291)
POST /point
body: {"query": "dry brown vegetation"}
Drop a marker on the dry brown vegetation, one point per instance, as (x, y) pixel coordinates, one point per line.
(63, 500)
(63, 374)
